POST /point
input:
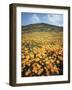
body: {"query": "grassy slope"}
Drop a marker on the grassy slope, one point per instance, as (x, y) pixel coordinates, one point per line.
(49, 41)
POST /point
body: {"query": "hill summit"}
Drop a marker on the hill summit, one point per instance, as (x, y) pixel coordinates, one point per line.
(41, 27)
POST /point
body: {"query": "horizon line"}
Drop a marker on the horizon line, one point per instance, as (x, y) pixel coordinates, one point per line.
(42, 23)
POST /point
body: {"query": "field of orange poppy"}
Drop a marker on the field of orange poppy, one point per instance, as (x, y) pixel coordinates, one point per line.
(42, 54)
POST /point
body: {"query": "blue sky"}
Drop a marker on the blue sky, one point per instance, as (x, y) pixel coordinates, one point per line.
(32, 18)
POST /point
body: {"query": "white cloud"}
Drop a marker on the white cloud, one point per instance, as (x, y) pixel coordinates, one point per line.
(35, 19)
(55, 19)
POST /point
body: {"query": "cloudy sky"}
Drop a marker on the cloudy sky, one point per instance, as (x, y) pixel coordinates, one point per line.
(32, 18)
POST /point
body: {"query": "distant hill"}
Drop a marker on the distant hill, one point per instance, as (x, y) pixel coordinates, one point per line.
(41, 27)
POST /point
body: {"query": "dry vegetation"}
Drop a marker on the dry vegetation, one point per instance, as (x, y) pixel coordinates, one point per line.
(42, 54)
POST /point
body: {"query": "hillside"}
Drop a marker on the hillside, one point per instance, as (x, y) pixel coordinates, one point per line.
(41, 50)
(41, 27)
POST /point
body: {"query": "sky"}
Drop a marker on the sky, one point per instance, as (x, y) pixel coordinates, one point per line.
(32, 18)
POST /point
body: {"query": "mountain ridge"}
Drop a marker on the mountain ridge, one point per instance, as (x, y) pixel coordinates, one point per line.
(41, 27)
